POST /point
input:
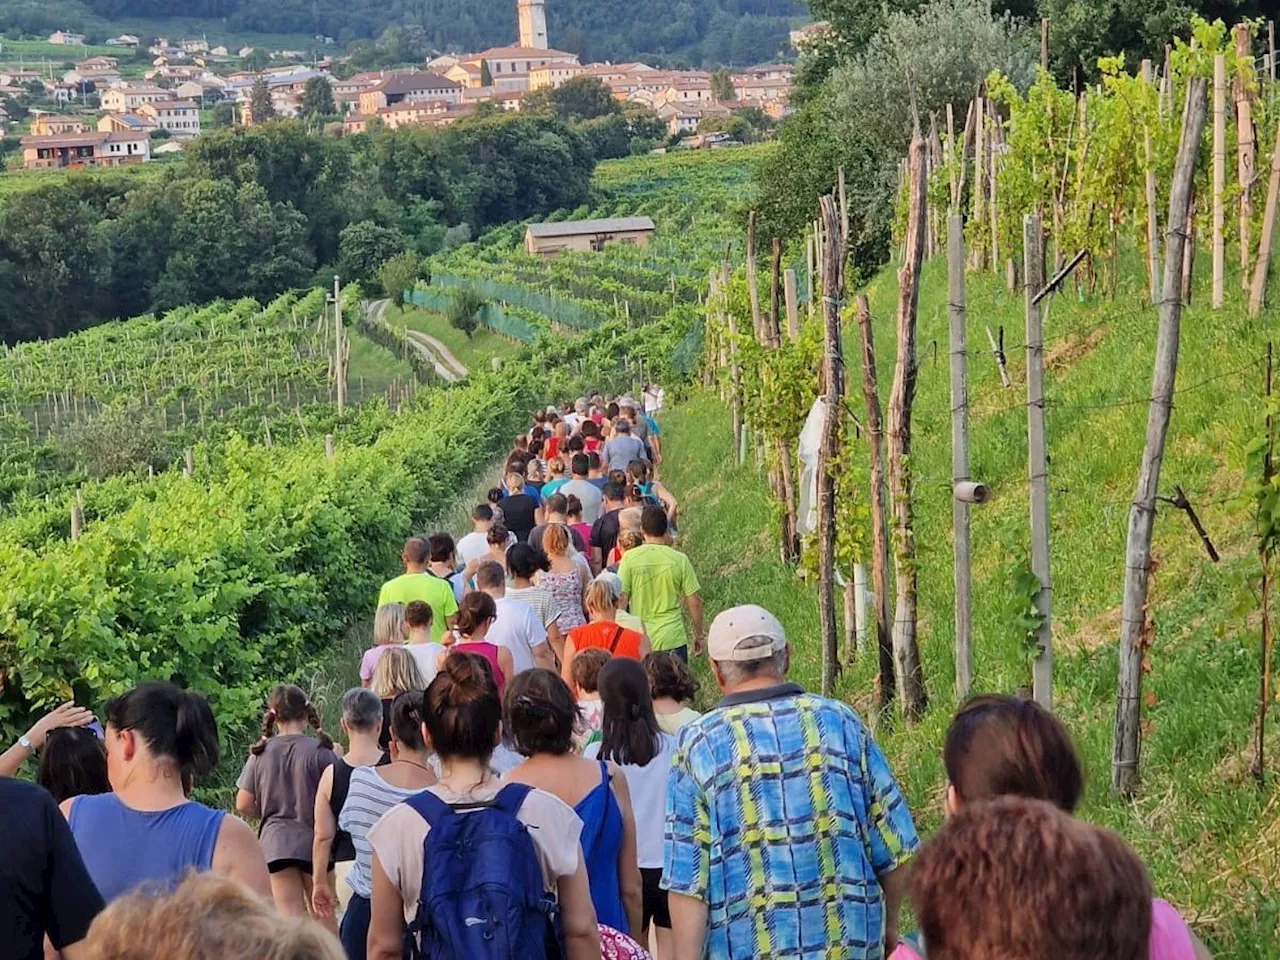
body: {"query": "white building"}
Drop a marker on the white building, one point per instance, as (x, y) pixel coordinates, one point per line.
(64, 38)
(129, 97)
(180, 117)
(533, 24)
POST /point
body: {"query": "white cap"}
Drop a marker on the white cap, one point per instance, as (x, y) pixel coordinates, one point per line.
(743, 633)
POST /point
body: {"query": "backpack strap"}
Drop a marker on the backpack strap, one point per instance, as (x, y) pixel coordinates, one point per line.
(430, 807)
(613, 644)
(510, 798)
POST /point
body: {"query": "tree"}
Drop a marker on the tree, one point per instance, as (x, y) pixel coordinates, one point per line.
(583, 98)
(365, 246)
(399, 273)
(464, 310)
(260, 104)
(722, 85)
(486, 75)
(317, 98)
(224, 115)
(256, 61)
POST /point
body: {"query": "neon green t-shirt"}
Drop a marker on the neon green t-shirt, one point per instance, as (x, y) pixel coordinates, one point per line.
(436, 593)
(656, 579)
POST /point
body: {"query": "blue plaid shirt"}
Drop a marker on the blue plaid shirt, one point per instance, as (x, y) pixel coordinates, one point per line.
(781, 814)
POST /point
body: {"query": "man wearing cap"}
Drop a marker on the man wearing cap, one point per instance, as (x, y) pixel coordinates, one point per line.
(786, 830)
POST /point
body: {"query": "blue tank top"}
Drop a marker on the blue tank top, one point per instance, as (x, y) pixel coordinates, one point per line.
(125, 848)
(601, 841)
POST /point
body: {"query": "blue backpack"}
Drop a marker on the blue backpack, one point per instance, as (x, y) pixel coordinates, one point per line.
(482, 895)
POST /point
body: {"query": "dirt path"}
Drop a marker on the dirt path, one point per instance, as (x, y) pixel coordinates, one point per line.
(442, 360)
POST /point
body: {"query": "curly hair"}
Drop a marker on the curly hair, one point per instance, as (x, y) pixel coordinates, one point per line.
(669, 676)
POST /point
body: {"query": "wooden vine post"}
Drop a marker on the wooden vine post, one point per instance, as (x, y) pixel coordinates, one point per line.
(960, 453)
(753, 286)
(832, 252)
(979, 178)
(793, 304)
(339, 348)
(1258, 290)
(1219, 176)
(1268, 640)
(1153, 227)
(879, 523)
(785, 481)
(735, 368)
(1038, 459)
(1124, 761)
(906, 653)
(1244, 146)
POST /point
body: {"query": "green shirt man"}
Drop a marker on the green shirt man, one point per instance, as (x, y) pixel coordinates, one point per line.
(658, 580)
(416, 584)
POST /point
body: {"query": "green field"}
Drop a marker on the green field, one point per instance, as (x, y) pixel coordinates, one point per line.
(1209, 835)
(474, 352)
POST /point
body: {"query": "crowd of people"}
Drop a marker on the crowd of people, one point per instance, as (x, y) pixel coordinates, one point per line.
(524, 772)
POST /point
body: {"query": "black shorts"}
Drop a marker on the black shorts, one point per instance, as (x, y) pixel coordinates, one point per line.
(279, 866)
(655, 898)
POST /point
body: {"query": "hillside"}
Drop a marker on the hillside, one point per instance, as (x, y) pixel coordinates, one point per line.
(1209, 836)
(737, 31)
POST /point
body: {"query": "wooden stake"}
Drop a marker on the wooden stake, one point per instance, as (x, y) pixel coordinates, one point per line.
(1044, 44)
(1271, 49)
(992, 204)
(1268, 641)
(189, 462)
(960, 452)
(1037, 458)
(77, 521)
(1219, 176)
(735, 370)
(879, 536)
(753, 288)
(1124, 763)
(793, 306)
(1244, 149)
(1258, 290)
(906, 653)
(339, 353)
(829, 449)
(976, 258)
(1153, 241)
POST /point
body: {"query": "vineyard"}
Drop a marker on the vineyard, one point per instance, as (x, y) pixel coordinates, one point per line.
(171, 503)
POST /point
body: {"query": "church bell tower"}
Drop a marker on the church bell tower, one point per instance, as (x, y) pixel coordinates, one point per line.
(533, 24)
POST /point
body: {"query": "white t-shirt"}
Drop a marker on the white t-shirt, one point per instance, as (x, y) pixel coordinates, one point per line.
(519, 630)
(472, 547)
(398, 838)
(590, 495)
(426, 656)
(648, 788)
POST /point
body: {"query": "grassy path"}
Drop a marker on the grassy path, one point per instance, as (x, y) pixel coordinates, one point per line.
(1210, 838)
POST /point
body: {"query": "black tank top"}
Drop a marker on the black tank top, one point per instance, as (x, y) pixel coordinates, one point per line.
(344, 849)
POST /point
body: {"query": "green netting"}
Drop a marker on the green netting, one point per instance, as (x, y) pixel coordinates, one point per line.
(567, 312)
(491, 315)
(686, 355)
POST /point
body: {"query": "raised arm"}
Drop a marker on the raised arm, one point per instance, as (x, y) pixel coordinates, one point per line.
(67, 715)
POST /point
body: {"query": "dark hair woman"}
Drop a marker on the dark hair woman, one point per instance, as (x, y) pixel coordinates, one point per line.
(632, 738)
(159, 738)
(73, 763)
(278, 787)
(540, 715)
(475, 617)
(462, 716)
(524, 563)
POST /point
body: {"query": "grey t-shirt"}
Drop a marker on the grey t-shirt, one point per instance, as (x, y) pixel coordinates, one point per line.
(621, 450)
(283, 781)
(589, 494)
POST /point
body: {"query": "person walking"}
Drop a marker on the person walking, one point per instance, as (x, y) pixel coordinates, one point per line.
(672, 686)
(425, 651)
(362, 725)
(389, 631)
(521, 511)
(555, 509)
(786, 831)
(658, 580)
(523, 565)
(159, 739)
(604, 532)
(588, 494)
(474, 545)
(396, 673)
(517, 628)
(564, 577)
(416, 584)
(471, 635)
(604, 631)
(622, 447)
(277, 787)
(540, 715)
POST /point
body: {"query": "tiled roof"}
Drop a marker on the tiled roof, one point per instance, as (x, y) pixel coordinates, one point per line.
(575, 228)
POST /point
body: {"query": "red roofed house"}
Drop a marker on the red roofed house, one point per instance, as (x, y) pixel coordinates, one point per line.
(96, 149)
(509, 67)
(409, 88)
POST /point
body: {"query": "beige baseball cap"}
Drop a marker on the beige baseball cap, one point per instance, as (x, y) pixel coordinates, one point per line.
(743, 633)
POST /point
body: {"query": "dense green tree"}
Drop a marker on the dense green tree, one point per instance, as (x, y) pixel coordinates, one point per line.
(486, 75)
(722, 84)
(317, 98)
(583, 98)
(365, 246)
(260, 103)
(398, 274)
(224, 115)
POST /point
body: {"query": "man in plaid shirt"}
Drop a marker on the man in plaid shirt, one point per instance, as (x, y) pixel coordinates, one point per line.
(786, 830)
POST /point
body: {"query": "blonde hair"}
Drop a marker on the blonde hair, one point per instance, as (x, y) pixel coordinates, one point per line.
(630, 539)
(629, 518)
(208, 917)
(388, 624)
(555, 466)
(555, 539)
(395, 673)
(602, 596)
(514, 482)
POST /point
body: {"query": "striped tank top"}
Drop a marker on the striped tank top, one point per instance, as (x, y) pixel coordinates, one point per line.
(368, 798)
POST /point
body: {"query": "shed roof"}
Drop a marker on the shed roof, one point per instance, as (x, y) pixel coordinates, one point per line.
(575, 228)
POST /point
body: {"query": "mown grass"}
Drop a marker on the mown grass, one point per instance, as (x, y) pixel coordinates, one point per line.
(1209, 835)
(474, 352)
(372, 368)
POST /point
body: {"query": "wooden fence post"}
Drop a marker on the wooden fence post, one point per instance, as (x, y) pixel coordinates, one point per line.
(1037, 457)
(879, 535)
(960, 452)
(328, 446)
(976, 260)
(793, 305)
(1244, 149)
(1258, 291)
(1044, 44)
(829, 449)
(189, 462)
(1153, 241)
(1219, 176)
(77, 521)
(1124, 760)
(906, 653)
(753, 288)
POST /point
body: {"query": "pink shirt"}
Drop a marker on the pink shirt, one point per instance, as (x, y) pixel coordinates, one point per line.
(1170, 938)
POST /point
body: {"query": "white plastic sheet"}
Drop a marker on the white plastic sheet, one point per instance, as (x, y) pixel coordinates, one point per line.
(809, 443)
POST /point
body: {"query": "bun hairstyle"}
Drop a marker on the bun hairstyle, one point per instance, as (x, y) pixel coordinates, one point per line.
(540, 713)
(524, 561)
(602, 595)
(630, 733)
(176, 725)
(406, 719)
(462, 710)
(289, 704)
(1010, 746)
(476, 609)
(498, 535)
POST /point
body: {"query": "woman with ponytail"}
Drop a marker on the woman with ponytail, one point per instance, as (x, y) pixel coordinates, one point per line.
(632, 739)
(475, 616)
(146, 832)
(278, 786)
(540, 715)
